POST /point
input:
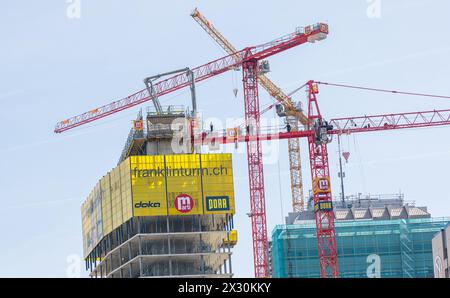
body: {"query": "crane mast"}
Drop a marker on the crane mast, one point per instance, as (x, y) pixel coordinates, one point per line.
(321, 187)
(274, 91)
(255, 170)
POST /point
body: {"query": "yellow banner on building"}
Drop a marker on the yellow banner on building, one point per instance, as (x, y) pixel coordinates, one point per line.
(148, 185)
(218, 188)
(183, 184)
(158, 185)
(107, 207)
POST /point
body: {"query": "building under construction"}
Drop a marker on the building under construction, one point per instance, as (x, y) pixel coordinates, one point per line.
(158, 213)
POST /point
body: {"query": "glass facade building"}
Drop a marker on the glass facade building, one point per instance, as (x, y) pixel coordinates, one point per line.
(394, 248)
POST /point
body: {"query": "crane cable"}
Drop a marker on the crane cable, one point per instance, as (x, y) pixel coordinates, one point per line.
(270, 106)
(355, 142)
(360, 163)
(280, 191)
(384, 90)
(297, 89)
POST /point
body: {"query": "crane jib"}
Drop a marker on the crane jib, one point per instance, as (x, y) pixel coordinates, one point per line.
(201, 73)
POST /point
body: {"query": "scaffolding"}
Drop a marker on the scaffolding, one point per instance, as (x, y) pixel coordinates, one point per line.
(388, 229)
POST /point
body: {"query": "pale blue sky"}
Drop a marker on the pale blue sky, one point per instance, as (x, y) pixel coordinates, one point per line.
(52, 67)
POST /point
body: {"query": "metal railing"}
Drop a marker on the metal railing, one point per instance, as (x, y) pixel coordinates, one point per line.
(133, 134)
(166, 110)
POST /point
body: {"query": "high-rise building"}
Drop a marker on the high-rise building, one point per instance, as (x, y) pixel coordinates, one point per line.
(381, 236)
(441, 251)
(160, 213)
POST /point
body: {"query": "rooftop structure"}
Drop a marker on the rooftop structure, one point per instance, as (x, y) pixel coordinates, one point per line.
(371, 207)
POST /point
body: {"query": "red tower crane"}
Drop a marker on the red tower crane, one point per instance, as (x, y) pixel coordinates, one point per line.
(320, 175)
(248, 59)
